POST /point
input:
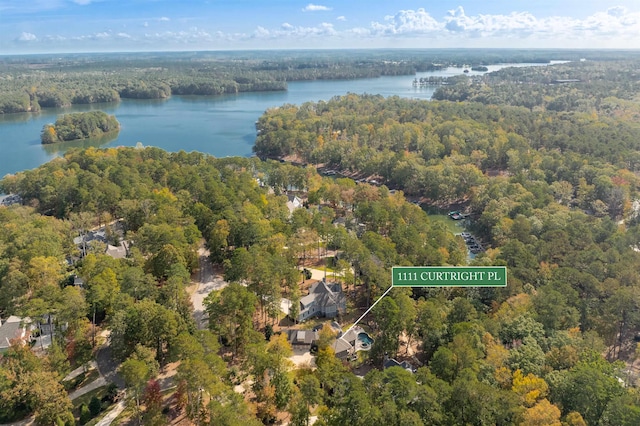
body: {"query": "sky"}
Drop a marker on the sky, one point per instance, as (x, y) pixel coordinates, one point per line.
(61, 26)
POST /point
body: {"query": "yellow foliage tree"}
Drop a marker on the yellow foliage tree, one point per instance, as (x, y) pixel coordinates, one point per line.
(574, 419)
(543, 413)
(530, 387)
(513, 307)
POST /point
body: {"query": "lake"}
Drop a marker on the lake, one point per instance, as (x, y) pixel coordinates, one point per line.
(218, 125)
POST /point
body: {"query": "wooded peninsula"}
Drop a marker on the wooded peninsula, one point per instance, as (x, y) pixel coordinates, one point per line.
(541, 169)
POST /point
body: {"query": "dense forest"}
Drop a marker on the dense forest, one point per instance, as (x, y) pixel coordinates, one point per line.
(31, 82)
(81, 125)
(552, 193)
(445, 151)
(609, 88)
(537, 352)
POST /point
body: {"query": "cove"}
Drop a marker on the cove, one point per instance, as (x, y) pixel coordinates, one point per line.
(218, 125)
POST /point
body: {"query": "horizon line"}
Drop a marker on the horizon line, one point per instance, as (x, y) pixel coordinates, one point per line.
(284, 49)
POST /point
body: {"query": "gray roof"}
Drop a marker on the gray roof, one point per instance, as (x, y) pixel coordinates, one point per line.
(302, 337)
(99, 235)
(9, 199)
(342, 348)
(390, 362)
(327, 294)
(323, 295)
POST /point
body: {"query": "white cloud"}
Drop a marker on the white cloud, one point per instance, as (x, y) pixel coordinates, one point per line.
(315, 8)
(287, 30)
(82, 2)
(611, 27)
(614, 23)
(617, 11)
(193, 36)
(408, 22)
(54, 38)
(27, 37)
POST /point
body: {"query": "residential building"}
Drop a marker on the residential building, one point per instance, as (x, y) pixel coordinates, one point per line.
(9, 199)
(293, 203)
(324, 300)
(14, 329)
(390, 362)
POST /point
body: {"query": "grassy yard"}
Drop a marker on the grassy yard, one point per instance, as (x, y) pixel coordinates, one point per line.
(101, 393)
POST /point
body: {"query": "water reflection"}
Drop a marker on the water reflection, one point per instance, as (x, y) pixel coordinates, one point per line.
(59, 148)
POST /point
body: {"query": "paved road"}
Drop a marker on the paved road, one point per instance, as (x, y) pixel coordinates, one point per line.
(100, 381)
(111, 415)
(26, 422)
(319, 274)
(107, 366)
(78, 371)
(208, 280)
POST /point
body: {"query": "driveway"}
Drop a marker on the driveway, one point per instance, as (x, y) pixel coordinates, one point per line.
(208, 281)
(302, 358)
(111, 415)
(107, 366)
(100, 381)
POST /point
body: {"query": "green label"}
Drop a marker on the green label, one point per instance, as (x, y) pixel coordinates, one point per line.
(449, 276)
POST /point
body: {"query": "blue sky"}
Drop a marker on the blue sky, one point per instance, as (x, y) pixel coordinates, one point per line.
(48, 26)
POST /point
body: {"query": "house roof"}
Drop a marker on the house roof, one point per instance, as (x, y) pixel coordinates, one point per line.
(390, 362)
(12, 328)
(326, 293)
(299, 337)
(99, 235)
(351, 335)
(117, 252)
(8, 199)
(323, 294)
(293, 202)
(341, 347)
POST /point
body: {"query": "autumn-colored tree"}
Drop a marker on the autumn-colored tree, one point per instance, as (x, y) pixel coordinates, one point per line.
(531, 388)
(542, 414)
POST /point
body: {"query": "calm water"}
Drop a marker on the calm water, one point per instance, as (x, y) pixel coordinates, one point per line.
(221, 126)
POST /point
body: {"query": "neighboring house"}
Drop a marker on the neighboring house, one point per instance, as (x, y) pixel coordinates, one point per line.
(293, 203)
(343, 349)
(100, 235)
(118, 252)
(14, 328)
(7, 200)
(83, 241)
(324, 300)
(354, 340)
(302, 338)
(390, 362)
(78, 282)
(340, 221)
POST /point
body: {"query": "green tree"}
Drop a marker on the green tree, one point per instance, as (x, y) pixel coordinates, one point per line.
(135, 374)
(231, 314)
(587, 388)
